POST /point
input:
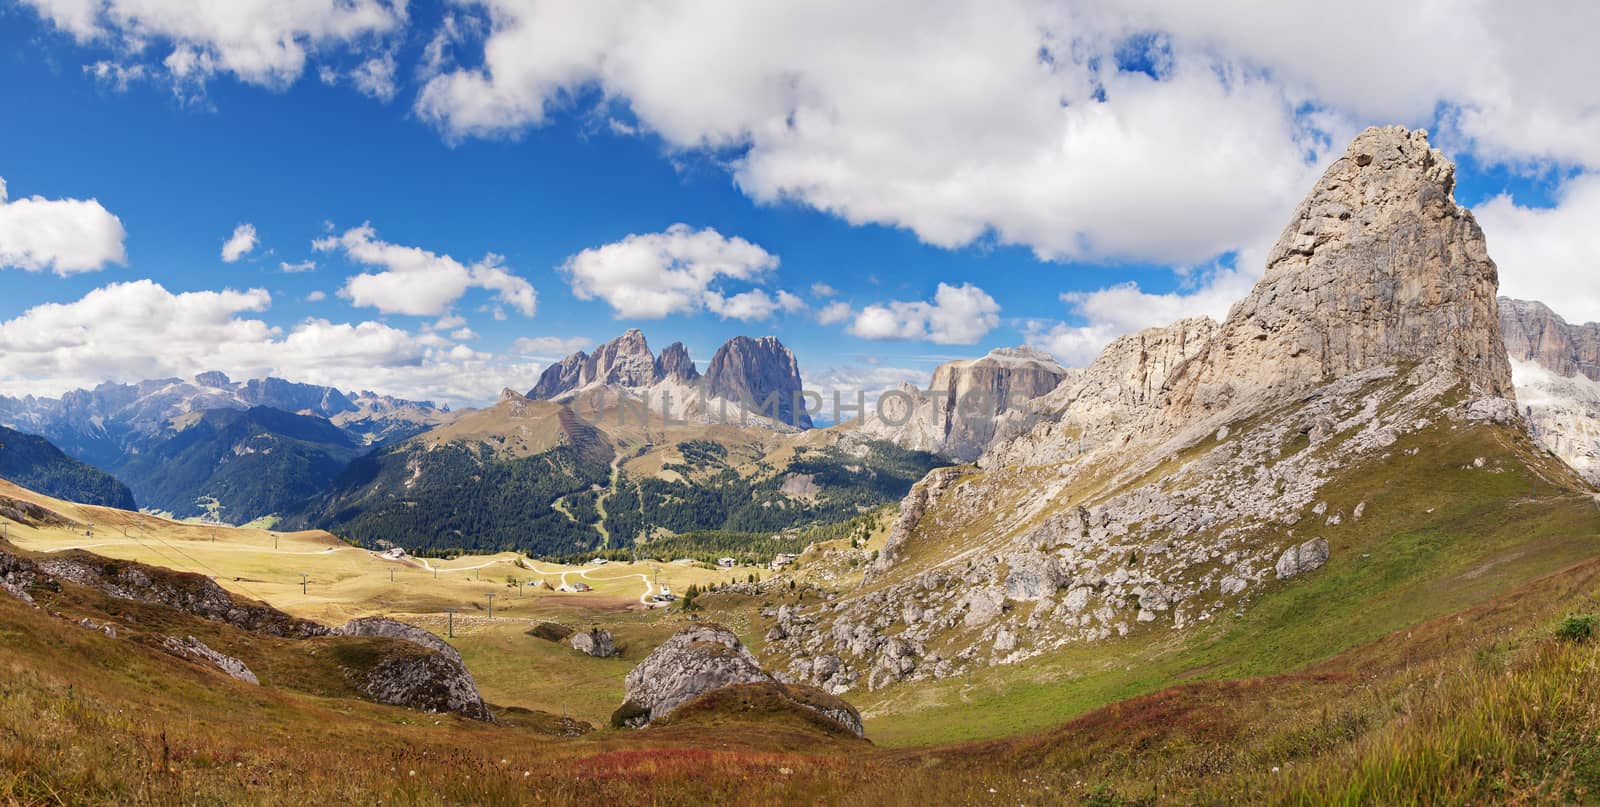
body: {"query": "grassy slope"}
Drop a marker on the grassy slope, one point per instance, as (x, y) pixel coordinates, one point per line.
(1489, 530)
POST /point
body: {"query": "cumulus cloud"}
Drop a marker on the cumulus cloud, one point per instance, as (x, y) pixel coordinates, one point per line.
(1549, 254)
(957, 315)
(550, 346)
(1108, 313)
(241, 243)
(138, 330)
(301, 266)
(1149, 130)
(847, 380)
(262, 42)
(418, 282)
(653, 275)
(316, 296)
(834, 313)
(65, 236)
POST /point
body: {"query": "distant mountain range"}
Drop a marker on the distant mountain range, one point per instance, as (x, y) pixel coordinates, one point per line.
(211, 446)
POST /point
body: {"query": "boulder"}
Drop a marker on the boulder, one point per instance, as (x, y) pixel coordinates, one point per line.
(696, 660)
(1297, 560)
(595, 642)
(195, 650)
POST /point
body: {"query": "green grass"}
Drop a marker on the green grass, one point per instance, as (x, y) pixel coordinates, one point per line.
(1400, 564)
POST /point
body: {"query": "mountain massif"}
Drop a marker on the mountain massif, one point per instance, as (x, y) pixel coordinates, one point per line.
(1362, 392)
(747, 379)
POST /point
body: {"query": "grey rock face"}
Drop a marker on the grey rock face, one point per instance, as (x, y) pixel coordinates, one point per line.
(1378, 266)
(560, 377)
(1556, 367)
(1534, 333)
(674, 364)
(1307, 557)
(595, 642)
(430, 682)
(746, 369)
(195, 650)
(696, 660)
(960, 413)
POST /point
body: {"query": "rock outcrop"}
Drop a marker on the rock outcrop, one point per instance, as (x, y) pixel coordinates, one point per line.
(701, 659)
(960, 412)
(196, 650)
(1378, 266)
(752, 370)
(388, 628)
(1306, 557)
(429, 682)
(596, 642)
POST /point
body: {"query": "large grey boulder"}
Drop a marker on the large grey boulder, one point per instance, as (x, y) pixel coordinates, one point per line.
(437, 681)
(1297, 560)
(595, 642)
(694, 661)
(703, 659)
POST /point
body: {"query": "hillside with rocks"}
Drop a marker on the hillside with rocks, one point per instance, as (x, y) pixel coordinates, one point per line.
(1194, 469)
(1556, 367)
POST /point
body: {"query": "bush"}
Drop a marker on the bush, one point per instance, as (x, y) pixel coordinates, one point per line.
(1576, 628)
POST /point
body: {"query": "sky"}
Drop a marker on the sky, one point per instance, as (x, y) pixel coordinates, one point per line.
(436, 200)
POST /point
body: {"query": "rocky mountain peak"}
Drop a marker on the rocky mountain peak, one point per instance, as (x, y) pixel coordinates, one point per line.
(625, 360)
(1556, 367)
(751, 369)
(1378, 266)
(674, 364)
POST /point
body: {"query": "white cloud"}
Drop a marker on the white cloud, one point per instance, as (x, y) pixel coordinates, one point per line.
(958, 315)
(376, 77)
(551, 346)
(418, 282)
(241, 243)
(316, 296)
(822, 291)
(848, 380)
(302, 266)
(133, 331)
(65, 236)
(834, 313)
(649, 276)
(263, 42)
(1150, 130)
(1549, 254)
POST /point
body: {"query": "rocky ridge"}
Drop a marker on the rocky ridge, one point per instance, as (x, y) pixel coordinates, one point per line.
(1184, 469)
(738, 382)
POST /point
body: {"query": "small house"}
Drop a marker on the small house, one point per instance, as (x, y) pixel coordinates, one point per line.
(727, 563)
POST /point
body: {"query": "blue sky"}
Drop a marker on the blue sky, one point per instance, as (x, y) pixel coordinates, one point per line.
(589, 154)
